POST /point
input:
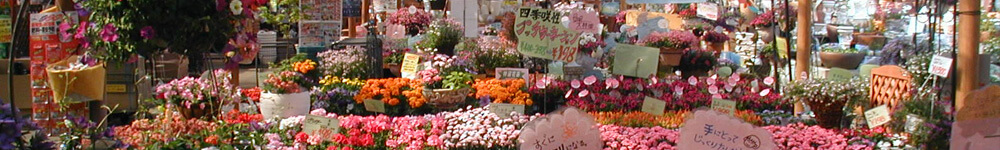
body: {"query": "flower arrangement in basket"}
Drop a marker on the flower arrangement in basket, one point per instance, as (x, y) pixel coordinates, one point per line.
(827, 97)
(446, 82)
(199, 97)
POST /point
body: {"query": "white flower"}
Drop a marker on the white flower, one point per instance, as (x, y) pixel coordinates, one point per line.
(236, 6)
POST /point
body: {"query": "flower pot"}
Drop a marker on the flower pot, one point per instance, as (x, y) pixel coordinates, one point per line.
(701, 72)
(841, 60)
(394, 68)
(283, 105)
(717, 46)
(670, 56)
(985, 36)
(766, 34)
(445, 98)
(197, 112)
(491, 72)
(438, 4)
(870, 39)
(828, 112)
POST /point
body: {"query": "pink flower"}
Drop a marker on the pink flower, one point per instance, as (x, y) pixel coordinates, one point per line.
(109, 33)
(147, 32)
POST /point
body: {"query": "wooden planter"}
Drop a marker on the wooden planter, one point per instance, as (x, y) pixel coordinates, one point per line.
(445, 98)
(841, 60)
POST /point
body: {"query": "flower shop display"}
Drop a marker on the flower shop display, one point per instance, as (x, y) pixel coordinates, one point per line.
(620, 137)
(847, 58)
(828, 97)
(510, 91)
(414, 21)
(199, 97)
(671, 45)
(346, 63)
(336, 95)
(442, 36)
(285, 95)
(810, 137)
(401, 95)
(491, 53)
(446, 82)
(392, 59)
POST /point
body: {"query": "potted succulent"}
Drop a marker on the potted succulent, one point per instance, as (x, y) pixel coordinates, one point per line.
(696, 62)
(847, 58)
(443, 35)
(446, 82)
(285, 91)
(671, 45)
(827, 97)
(198, 97)
(716, 40)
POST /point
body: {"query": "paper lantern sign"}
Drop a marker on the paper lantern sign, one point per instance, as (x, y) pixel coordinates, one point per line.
(839, 74)
(541, 35)
(724, 106)
(635, 61)
(503, 110)
(512, 73)
(866, 70)
(566, 129)
(940, 66)
(709, 129)
(584, 21)
(877, 116)
(708, 11)
(409, 67)
(374, 105)
(653, 106)
(321, 126)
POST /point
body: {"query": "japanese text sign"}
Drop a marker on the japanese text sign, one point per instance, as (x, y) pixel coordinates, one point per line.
(409, 66)
(584, 21)
(541, 35)
(877, 116)
(374, 105)
(724, 106)
(653, 106)
(940, 66)
(713, 130)
(503, 110)
(566, 129)
(512, 73)
(320, 126)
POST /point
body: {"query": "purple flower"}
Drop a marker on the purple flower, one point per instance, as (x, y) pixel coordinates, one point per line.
(109, 33)
(147, 32)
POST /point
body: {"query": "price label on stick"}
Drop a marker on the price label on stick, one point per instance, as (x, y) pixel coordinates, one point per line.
(940, 66)
(320, 126)
(374, 105)
(877, 116)
(724, 106)
(503, 110)
(653, 106)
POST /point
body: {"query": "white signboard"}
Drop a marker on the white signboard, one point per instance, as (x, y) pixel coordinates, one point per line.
(940, 66)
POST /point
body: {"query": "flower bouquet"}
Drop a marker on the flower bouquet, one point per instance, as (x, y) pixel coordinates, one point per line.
(671, 45)
(827, 97)
(199, 97)
(446, 82)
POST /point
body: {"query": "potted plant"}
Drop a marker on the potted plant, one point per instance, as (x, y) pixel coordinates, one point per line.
(716, 40)
(671, 45)
(696, 62)
(443, 35)
(446, 82)
(847, 58)
(198, 97)
(336, 95)
(414, 21)
(827, 97)
(392, 60)
(346, 63)
(765, 26)
(488, 53)
(285, 91)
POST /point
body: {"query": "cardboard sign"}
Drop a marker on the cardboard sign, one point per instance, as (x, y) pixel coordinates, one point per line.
(5, 29)
(708, 11)
(653, 106)
(940, 66)
(321, 126)
(541, 34)
(584, 21)
(877, 116)
(503, 110)
(714, 130)
(566, 129)
(976, 121)
(724, 106)
(409, 67)
(866, 70)
(635, 61)
(512, 73)
(839, 74)
(374, 105)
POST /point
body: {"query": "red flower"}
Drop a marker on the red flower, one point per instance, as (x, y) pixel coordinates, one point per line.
(331, 148)
(301, 137)
(212, 140)
(347, 148)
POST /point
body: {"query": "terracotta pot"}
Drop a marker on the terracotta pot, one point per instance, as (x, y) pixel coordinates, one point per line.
(491, 72)
(670, 56)
(394, 68)
(766, 34)
(829, 113)
(841, 60)
(717, 46)
(870, 39)
(985, 36)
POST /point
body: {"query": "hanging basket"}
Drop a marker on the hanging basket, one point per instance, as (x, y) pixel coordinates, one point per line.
(283, 105)
(88, 81)
(445, 98)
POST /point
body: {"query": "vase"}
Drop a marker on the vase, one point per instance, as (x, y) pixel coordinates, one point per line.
(445, 98)
(847, 61)
(394, 68)
(766, 34)
(198, 112)
(717, 46)
(283, 105)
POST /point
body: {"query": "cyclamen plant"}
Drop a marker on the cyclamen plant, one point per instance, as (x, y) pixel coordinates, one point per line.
(671, 39)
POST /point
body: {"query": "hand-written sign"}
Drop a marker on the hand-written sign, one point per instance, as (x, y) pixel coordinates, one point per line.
(409, 66)
(877, 116)
(584, 21)
(503, 110)
(321, 126)
(940, 66)
(980, 104)
(541, 35)
(512, 73)
(724, 106)
(976, 121)
(566, 129)
(713, 130)
(653, 106)
(374, 105)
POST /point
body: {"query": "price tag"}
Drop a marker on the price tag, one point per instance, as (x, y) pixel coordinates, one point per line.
(321, 126)
(5, 34)
(724, 71)
(940, 66)
(374, 105)
(724, 106)
(512, 73)
(116, 88)
(503, 110)
(653, 106)
(409, 66)
(877, 116)
(839, 74)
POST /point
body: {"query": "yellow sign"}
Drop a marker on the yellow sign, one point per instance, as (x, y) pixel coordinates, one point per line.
(5, 29)
(409, 66)
(782, 47)
(116, 88)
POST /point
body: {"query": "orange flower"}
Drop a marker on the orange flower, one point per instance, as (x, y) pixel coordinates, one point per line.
(392, 92)
(503, 91)
(304, 66)
(214, 140)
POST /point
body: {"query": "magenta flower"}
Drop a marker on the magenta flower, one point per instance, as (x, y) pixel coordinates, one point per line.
(109, 33)
(81, 31)
(147, 32)
(64, 30)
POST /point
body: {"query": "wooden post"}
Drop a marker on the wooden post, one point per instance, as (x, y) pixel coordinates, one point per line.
(803, 44)
(967, 69)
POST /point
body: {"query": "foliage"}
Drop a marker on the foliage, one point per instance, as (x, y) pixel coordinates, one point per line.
(840, 50)
(697, 59)
(393, 56)
(935, 130)
(192, 27)
(393, 92)
(812, 137)
(337, 94)
(187, 92)
(764, 20)
(715, 37)
(492, 53)
(443, 33)
(15, 127)
(828, 91)
(282, 14)
(413, 21)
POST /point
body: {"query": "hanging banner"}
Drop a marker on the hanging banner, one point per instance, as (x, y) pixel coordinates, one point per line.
(541, 35)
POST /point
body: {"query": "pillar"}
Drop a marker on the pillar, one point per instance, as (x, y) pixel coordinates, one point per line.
(967, 69)
(803, 44)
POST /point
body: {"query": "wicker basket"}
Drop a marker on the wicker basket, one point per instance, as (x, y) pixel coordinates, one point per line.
(445, 98)
(827, 116)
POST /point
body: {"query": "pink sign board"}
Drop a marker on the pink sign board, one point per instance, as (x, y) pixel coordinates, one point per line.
(709, 129)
